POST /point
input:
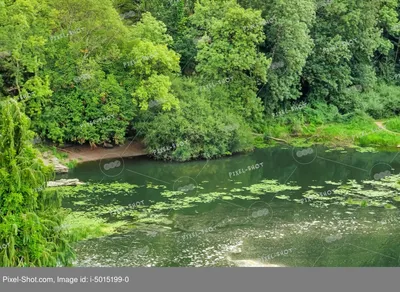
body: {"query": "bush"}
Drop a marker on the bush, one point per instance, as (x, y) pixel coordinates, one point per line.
(381, 102)
(196, 129)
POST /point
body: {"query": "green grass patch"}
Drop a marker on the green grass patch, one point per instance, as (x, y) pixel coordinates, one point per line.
(358, 130)
(72, 164)
(382, 138)
(393, 125)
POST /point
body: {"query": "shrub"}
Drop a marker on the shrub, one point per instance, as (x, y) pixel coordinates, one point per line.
(382, 101)
(196, 129)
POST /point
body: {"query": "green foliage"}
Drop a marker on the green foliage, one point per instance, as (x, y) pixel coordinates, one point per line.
(393, 125)
(228, 49)
(381, 138)
(90, 71)
(343, 51)
(382, 101)
(319, 123)
(86, 67)
(29, 216)
(301, 122)
(289, 44)
(196, 129)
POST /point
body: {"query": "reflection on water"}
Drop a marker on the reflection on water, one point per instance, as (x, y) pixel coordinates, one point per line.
(228, 212)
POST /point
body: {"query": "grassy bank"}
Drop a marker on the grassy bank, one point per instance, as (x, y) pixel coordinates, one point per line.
(312, 127)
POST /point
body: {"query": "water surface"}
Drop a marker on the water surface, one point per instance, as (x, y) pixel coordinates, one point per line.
(235, 226)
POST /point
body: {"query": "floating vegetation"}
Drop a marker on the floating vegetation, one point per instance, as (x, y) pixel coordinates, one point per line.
(236, 190)
(82, 191)
(156, 187)
(269, 186)
(85, 225)
(282, 197)
(313, 195)
(333, 183)
(157, 212)
(335, 149)
(227, 198)
(374, 193)
(79, 203)
(390, 206)
(246, 197)
(169, 194)
(366, 149)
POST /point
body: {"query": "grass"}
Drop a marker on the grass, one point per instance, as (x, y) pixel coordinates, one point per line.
(380, 139)
(60, 155)
(53, 150)
(393, 125)
(358, 130)
(72, 164)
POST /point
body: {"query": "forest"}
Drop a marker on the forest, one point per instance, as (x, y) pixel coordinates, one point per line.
(215, 77)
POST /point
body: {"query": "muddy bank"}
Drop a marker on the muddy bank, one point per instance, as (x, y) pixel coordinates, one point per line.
(84, 153)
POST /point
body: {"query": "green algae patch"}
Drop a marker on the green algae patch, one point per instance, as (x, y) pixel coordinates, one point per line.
(241, 197)
(170, 194)
(282, 197)
(270, 186)
(82, 191)
(366, 149)
(82, 226)
(368, 193)
(333, 183)
(155, 187)
(229, 198)
(335, 149)
(236, 190)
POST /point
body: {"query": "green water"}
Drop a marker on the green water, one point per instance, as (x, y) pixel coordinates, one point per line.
(238, 226)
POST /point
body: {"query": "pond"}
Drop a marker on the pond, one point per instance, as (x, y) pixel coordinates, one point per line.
(271, 207)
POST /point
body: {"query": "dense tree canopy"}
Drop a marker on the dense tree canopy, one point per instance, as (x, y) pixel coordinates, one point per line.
(99, 71)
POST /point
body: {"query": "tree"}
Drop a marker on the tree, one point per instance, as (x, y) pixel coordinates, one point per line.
(288, 25)
(228, 49)
(30, 217)
(80, 72)
(343, 52)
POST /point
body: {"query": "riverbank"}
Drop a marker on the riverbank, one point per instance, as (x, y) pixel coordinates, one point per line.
(84, 153)
(356, 132)
(64, 158)
(364, 134)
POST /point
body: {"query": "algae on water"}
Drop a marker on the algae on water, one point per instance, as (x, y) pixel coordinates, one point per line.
(269, 186)
(374, 193)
